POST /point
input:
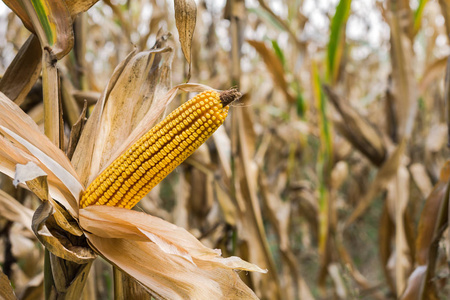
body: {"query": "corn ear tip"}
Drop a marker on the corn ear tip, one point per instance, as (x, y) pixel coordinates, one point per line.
(228, 96)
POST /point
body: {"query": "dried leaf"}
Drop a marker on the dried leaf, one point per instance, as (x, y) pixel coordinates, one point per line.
(69, 278)
(56, 240)
(445, 8)
(280, 216)
(53, 25)
(432, 73)
(386, 173)
(36, 180)
(421, 178)
(437, 138)
(76, 131)
(386, 234)
(27, 172)
(114, 222)
(404, 84)
(75, 7)
(141, 79)
(432, 223)
(79, 6)
(34, 288)
(250, 225)
(10, 156)
(185, 19)
(170, 276)
(6, 290)
(70, 181)
(358, 130)
(14, 211)
(414, 285)
(275, 68)
(226, 204)
(397, 201)
(14, 119)
(152, 116)
(20, 11)
(23, 71)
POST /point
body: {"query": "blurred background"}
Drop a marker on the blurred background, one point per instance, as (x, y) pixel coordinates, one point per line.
(331, 170)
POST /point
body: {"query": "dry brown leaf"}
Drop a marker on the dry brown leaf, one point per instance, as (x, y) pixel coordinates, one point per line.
(280, 216)
(433, 221)
(36, 180)
(20, 11)
(437, 138)
(14, 211)
(52, 24)
(338, 281)
(136, 89)
(185, 20)
(421, 178)
(445, 8)
(23, 71)
(62, 177)
(275, 68)
(68, 278)
(387, 172)
(153, 115)
(82, 156)
(44, 228)
(414, 285)
(14, 119)
(90, 97)
(360, 279)
(397, 200)
(386, 234)
(432, 73)
(79, 6)
(75, 7)
(250, 225)
(339, 174)
(229, 210)
(358, 130)
(173, 277)
(223, 146)
(6, 290)
(34, 288)
(114, 222)
(76, 131)
(404, 84)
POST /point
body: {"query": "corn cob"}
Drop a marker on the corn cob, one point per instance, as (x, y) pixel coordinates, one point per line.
(133, 174)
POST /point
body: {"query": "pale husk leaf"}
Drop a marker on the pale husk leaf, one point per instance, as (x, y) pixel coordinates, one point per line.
(170, 276)
(152, 116)
(69, 181)
(14, 211)
(114, 222)
(10, 156)
(132, 92)
(13, 118)
(31, 145)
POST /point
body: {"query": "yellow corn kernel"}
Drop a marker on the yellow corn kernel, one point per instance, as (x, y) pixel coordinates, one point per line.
(133, 174)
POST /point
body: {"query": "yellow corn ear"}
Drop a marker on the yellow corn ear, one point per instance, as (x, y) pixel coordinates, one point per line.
(133, 174)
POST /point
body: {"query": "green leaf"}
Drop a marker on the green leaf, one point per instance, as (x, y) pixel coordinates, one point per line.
(324, 161)
(337, 39)
(301, 106)
(52, 23)
(418, 15)
(279, 52)
(42, 14)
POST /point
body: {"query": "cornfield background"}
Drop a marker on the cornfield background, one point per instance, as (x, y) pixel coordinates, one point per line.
(330, 172)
